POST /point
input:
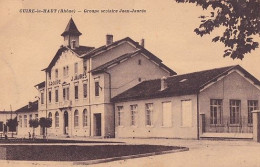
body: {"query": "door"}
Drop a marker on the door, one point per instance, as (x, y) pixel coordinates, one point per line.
(97, 118)
(66, 122)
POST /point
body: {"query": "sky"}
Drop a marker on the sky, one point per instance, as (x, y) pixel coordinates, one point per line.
(29, 41)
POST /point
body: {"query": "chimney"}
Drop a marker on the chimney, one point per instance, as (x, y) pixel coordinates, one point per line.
(109, 39)
(29, 104)
(142, 42)
(163, 83)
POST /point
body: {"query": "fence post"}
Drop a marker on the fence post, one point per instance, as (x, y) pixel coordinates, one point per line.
(256, 125)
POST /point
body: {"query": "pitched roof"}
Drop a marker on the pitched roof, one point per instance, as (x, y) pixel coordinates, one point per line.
(71, 29)
(106, 47)
(117, 60)
(78, 50)
(32, 108)
(5, 112)
(185, 84)
(40, 85)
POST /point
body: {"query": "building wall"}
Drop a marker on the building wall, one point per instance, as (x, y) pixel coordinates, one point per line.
(111, 54)
(157, 130)
(233, 86)
(3, 119)
(129, 73)
(121, 74)
(23, 129)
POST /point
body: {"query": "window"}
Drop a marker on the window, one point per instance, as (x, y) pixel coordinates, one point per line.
(186, 113)
(49, 96)
(49, 73)
(20, 121)
(42, 98)
(96, 88)
(76, 118)
(73, 44)
(167, 114)
(30, 117)
(50, 115)
(85, 65)
(25, 120)
(36, 116)
(66, 93)
(148, 113)
(85, 118)
(76, 92)
(235, 111)
(56, 73)
(252, 105)
(120, 115)
(65, 71)
(215, 111)
(57, 119)
(133, 114)
(139, 62)
(76, 68)
(56, 95)
(85, 90)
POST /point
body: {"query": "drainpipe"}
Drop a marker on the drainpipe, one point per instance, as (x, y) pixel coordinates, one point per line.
(110, 90)
(89, 101)
(46, 100)
(198, 117)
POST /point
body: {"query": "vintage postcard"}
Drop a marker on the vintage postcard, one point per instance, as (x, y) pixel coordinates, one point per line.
(129, 83)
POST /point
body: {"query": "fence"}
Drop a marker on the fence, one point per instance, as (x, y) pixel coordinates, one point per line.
(242, 126)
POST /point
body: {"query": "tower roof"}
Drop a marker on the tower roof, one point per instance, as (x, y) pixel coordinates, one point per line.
(71, 29)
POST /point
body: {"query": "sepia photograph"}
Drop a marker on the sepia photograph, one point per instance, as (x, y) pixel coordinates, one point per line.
(133, 83)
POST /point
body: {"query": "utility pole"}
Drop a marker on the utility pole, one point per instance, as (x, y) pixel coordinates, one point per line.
(11, 119)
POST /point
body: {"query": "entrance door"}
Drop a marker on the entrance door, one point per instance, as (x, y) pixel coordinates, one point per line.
(97, 118)
(66, 122)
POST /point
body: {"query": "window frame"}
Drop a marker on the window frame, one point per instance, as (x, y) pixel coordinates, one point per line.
(134, 113)
(76, 92)
(97, 92)
(85, 118)
(25, 121)
(186, 125)
(76, 118)
(251, 108)
(120, 113)
(216, 116)
(233, 120)
(85, 90)
(57, 119)
(170, 117)
(149, 114)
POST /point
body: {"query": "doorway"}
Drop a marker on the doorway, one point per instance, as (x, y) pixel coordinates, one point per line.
(66, 122)
(97, 124)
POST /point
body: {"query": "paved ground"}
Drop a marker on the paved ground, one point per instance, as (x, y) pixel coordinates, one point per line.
(202, 153)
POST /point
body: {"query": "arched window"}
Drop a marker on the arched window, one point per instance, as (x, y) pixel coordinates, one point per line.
(57, 123)
(50, 116)
(85, 118)
(76, 118)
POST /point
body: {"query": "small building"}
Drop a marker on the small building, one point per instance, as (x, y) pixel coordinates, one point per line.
(210, 103)
(4, 116)
(24, 115)
(81, 80)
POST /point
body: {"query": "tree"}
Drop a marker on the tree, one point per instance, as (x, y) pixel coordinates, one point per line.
(240, 18)
(34, 123)
(12, 124)
(45, 123)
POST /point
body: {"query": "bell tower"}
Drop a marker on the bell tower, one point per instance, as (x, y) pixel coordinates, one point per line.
(71, 35)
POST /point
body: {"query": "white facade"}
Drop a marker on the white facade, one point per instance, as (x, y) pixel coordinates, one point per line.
(78, 100)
